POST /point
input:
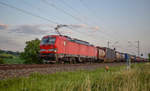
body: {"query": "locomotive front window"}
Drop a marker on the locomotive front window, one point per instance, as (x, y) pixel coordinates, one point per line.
(51, 40)
(48, 40)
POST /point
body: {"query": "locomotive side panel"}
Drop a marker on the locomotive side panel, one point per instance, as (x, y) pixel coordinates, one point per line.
(72, 48)
(83, 50)
(60, 46)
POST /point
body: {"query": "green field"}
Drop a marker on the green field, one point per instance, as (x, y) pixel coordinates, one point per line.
(14, 60)
(10, 59)
(116, 79)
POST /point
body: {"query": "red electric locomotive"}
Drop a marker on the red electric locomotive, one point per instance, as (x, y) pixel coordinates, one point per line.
(58, 48)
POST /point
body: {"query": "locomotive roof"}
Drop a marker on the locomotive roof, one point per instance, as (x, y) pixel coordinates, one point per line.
(78, 41)
(73, 40)
(81, 41)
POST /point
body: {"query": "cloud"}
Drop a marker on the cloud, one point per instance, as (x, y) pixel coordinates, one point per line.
(9, 42)
(29, 29)
(3, 26)
(85, 26)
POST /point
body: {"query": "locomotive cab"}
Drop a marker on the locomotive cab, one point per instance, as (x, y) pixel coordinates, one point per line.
(48, 48)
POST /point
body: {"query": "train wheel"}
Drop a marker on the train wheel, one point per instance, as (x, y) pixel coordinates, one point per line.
(60, 61)
(80, 60)
(90, 60)
(71, 60)
(74, 60)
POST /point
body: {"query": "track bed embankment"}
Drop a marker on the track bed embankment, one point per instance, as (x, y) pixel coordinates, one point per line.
(19, 70)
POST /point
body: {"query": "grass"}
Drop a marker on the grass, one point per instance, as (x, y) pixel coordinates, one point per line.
(5, 55)
(14, 60)
(116, 79)
(10, 59)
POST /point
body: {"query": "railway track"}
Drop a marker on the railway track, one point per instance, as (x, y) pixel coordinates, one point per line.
(24, 66)
(29, 66)
(19, 70)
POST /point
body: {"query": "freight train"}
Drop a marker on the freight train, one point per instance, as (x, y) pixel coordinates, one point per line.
(59, 48)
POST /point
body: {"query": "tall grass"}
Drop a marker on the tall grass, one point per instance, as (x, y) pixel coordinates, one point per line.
(116, 79)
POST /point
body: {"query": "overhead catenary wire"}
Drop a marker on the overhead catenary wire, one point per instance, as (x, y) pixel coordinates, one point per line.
(94, 14)
(37, 8)
(68, 5)
(89, 9)
(62, 10)
(75, 10)
(27, 12)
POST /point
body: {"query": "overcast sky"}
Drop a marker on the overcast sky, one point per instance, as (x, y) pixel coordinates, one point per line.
(96, 21)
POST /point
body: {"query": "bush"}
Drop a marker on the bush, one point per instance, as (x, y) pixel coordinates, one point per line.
(31, 52)
(1, 61)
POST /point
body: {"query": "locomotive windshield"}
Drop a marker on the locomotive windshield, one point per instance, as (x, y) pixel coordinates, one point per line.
(48, 40)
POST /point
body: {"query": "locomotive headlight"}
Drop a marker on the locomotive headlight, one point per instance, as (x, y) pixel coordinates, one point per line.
(42, 50)
(55, 50)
